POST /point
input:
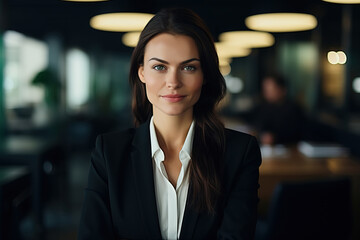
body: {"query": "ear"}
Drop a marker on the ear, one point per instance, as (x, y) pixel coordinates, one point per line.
(141, 73)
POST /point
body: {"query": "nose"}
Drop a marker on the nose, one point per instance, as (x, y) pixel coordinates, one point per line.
(173, 80)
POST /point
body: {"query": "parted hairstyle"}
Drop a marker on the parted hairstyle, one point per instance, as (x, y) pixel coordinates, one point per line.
(208, 143)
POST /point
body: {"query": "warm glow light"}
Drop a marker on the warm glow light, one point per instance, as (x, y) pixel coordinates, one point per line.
(225, 69)
(247, 39)
(333, 57)
(120, 22)
(85, 0)
(224, 66)
(336, 57)
(356, 85)
(224, 61)
(281, 22)
(131, 39)
(343, 1)
(229, 51)
(342, 57)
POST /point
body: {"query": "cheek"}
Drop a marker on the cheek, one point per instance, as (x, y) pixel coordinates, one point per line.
(196, 88)
(152, 86)
(197, 83)
(152, 83)
(150, 92)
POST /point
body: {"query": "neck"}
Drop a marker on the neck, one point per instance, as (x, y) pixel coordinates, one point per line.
(171, 131)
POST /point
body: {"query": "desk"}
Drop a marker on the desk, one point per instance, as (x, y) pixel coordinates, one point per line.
(13, 182)
(28, 151)
(291, 165)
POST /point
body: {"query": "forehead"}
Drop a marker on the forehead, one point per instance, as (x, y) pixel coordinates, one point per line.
(168, 47)
(269, 82)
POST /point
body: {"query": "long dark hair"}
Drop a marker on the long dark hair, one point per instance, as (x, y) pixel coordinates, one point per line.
(209, 131)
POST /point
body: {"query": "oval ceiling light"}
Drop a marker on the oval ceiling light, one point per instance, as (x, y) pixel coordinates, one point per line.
(225, 69)
(338, 57)
(281, 22)
(131, 39)
(224, 61)
(247, 39)
(225, 51)
(342, 57)
(343, 1)
(120, 22)
(333, 57)
(85, 0)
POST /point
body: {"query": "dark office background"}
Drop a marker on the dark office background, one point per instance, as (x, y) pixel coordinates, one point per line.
(60, 120)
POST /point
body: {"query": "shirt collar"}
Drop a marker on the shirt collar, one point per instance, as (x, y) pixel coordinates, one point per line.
(185, 152)
(153, 139)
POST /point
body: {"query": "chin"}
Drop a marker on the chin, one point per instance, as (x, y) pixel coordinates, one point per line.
(175, 112)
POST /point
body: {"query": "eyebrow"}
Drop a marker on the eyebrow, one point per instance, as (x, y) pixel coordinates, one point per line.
(165, 62)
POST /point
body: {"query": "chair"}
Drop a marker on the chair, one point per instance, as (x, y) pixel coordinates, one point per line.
(15, 199)
(308, 210)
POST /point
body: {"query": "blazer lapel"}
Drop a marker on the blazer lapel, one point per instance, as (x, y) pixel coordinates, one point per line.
(190, 218)
(144, 179)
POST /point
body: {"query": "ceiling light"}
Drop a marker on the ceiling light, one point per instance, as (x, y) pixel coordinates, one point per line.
(343, 1)
(85, 0)
(131, 39)
(225, 69)
(229, 51)
(224, 61)
(120, 22)
(247, 39)
(338, 57)
(281, 22)
(342, 57)
(333, 57)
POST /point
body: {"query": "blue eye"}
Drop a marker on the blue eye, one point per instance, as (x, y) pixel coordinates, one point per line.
(189, 68)
(159, 67)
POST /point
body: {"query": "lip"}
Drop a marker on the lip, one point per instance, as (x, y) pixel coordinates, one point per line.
(173, 97)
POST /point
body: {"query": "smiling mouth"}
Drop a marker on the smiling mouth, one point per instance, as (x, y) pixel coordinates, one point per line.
(173, 97)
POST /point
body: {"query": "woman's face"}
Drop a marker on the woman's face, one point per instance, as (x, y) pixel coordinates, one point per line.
(172, 74)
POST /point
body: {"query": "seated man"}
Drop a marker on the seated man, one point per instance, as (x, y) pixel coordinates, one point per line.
(278, 120)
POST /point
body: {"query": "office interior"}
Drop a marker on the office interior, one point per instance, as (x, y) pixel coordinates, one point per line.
(63, 82)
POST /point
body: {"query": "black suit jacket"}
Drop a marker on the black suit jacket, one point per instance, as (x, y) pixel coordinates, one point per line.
(120, 198)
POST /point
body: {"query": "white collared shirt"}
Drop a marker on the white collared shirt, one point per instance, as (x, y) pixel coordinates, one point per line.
(170, 201)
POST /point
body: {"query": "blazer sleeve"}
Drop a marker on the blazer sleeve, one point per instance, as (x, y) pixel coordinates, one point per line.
(240, 210)
(96, 221)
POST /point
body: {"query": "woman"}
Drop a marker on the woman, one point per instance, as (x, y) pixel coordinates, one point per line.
(179, 174)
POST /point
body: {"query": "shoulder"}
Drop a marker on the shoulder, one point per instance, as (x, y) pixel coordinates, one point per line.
(239, 145)
(112, 149)
(241, 160)
(116, 140)
(124, 134)
(124, 140)
(233, 136)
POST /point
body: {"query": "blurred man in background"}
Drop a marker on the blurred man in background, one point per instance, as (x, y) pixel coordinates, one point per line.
(277, 120)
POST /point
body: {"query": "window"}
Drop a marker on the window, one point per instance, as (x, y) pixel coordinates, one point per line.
(77, 79)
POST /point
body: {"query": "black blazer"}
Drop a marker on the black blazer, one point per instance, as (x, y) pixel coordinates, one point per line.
(120, 198)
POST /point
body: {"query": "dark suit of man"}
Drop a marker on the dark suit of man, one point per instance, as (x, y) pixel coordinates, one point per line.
(120, 198)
